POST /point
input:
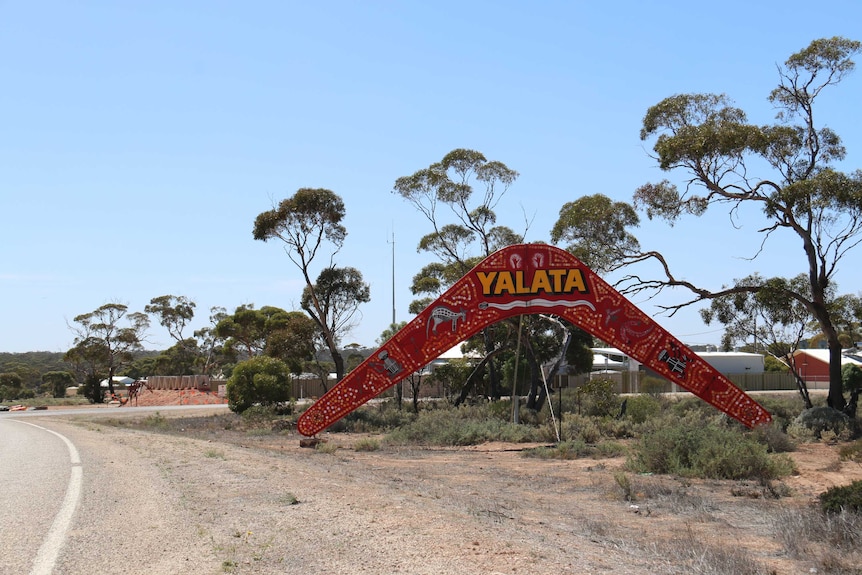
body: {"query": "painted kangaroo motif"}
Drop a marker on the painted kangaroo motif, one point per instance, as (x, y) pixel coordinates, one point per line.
(442, 314)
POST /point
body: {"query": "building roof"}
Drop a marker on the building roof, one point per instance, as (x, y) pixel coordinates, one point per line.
(847, 356)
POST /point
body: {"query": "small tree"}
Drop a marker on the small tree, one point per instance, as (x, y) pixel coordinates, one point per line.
(463, 188)
(59, 381)
(104, 345)
(305, 223)
(259, 380)
(720, 155)
(211, 347)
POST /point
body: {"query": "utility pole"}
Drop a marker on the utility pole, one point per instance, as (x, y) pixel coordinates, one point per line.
(393, 277)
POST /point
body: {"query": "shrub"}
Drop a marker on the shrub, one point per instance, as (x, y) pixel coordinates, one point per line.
(598, 398)
(640, 408)
(692, 449)
(580, 428)
(654, 386)
(775, 440)
(783, 408)
(817, 420)
(380, 417)
(851, 451)
(462, 426)
(259, 380)
(565, 450)
(366, 444)
(842, 498)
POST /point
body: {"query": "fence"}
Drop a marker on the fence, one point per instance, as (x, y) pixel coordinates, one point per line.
(179, 382)
(637, 382)
(626, 382)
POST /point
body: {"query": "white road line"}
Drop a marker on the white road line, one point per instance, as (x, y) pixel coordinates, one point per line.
(46, 558)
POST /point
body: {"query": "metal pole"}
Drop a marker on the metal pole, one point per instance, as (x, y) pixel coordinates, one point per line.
(393, 277)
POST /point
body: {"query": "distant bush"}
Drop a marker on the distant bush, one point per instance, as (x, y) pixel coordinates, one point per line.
(783, 408)
(640, 408)
(842, 498)
(654, 386)
(597, 397)
(366, 444)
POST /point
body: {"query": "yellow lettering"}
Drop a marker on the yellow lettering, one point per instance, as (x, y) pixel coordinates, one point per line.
(504, 284)
(558, 279)
(541, 282)
(553, 281)
(575, 282)
(519, 283)
(487, 280)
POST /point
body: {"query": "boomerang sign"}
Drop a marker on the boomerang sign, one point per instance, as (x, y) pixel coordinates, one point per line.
(527, 279)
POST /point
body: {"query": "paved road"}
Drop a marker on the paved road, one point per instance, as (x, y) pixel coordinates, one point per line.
(35, 474)
(109, 410)
(74, 500)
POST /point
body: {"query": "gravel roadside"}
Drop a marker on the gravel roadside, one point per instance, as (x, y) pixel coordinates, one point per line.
(261, 504)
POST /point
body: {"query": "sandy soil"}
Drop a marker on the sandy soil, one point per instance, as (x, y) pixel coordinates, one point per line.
(262, 504)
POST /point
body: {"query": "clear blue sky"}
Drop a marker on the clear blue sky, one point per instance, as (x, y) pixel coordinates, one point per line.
(139, 140)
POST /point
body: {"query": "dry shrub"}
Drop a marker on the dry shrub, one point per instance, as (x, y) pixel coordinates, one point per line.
(831, 539)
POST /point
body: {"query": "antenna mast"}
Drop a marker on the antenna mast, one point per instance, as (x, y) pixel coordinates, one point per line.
(393, 277)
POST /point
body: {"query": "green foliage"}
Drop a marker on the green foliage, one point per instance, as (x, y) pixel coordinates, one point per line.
(58, 382)
(842, 498)
(258, 415)
(382, 416)
(851, 378)
(10, 380)
(31, 365)
(711, 144)
(565, 450)
(366, 444)
(91, 389)
(641, 408)
(851, 451)
(818, 420)
(461, 426)
(595, 227)
(693, 448)
(451, 375)
(259, 380)
(774, 438)
(597, 397)
(784, 408)
(773, 364)
(654, 386)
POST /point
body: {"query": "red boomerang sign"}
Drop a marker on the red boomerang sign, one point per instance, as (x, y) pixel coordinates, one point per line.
(530, 279)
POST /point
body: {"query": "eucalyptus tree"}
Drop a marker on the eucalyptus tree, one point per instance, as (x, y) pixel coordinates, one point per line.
(776, 323)
(307, 223)
(457, 195)
(174, 313)
(802, 196)
(210, 345)
(106, 340)
(59, 381)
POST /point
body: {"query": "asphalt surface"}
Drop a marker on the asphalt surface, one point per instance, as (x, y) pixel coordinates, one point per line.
(35, 471)
(75, 501)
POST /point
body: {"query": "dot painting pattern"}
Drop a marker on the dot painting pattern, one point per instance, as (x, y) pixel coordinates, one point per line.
(530, 279)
